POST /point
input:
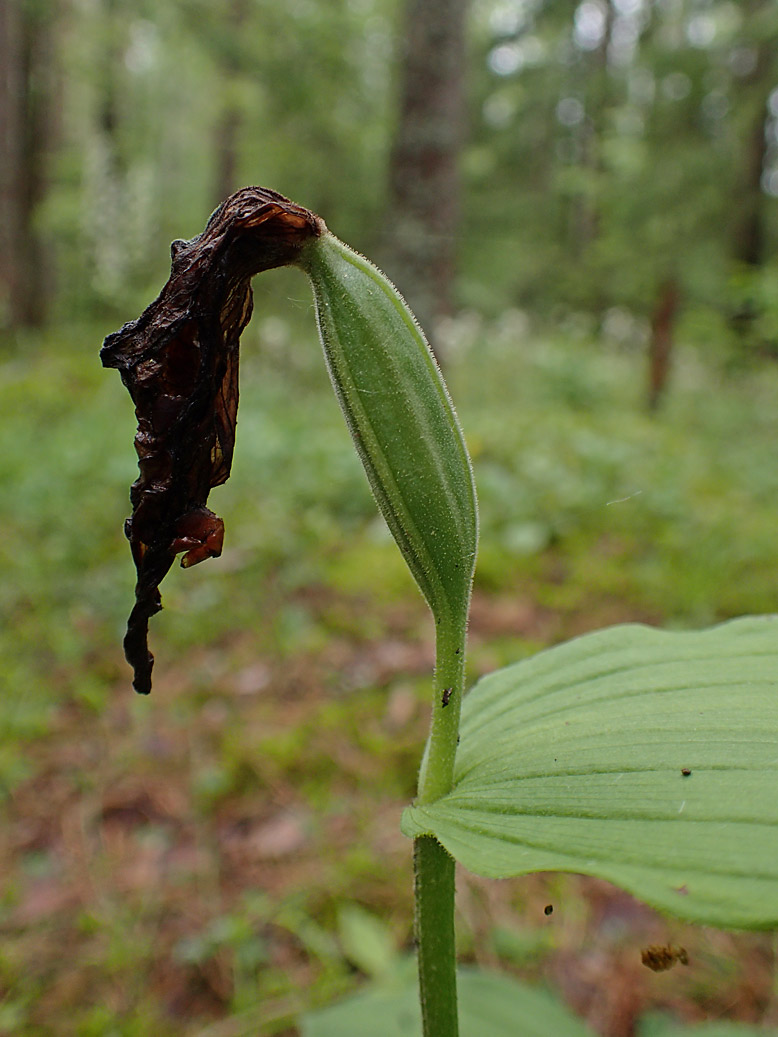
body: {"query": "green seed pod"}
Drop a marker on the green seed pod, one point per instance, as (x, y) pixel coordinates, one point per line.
(401, 419)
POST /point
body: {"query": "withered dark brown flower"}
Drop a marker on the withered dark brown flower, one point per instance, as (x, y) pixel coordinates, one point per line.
(179, 361)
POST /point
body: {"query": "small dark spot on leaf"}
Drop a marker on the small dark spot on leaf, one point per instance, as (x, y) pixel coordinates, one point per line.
(548, 909)
(686, 771)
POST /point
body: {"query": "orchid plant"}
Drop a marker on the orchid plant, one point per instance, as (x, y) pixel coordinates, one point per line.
(644, 757)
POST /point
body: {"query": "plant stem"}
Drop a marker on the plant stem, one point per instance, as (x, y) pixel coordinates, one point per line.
(434, 891)
(437, 770)
(434, 884)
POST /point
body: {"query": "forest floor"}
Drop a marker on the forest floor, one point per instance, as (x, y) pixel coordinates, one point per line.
(214, 860)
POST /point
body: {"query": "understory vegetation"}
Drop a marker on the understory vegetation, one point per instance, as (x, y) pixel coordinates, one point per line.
(215, 860)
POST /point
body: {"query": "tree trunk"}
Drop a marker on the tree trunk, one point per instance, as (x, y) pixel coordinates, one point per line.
(25, 100)
(590, 134)
(748, 237)
(748, 227)
(660, 345)
(227, 129)
(424, 165)
(9, 151)
(226, 147)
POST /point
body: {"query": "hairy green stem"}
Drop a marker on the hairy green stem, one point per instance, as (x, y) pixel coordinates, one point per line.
(434, 891)
(437, 770)
(434, 884)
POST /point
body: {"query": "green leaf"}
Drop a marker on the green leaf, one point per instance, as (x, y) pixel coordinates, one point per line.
(575, 760)
(661, 1026)
(488, 1004)
(367, 942)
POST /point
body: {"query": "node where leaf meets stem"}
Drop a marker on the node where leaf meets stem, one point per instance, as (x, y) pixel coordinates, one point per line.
(434, 869)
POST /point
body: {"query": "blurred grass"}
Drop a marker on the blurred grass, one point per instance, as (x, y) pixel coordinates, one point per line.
(286, 722)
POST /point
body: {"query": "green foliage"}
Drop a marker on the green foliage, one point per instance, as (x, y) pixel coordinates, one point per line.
(556, 437)
(660, 1026)
(599, 160)
(639, 507)
(489, 1004)
(142, 146)
(639, 756)
(612, 151)
(366, 942)
(276, 708)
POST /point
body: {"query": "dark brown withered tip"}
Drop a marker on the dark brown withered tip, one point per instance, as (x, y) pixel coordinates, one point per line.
(179, 361)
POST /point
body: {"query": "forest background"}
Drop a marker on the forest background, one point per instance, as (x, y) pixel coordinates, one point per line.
(579, 199)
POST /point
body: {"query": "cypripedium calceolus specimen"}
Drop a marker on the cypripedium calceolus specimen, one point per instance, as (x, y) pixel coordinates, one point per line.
(179, 360)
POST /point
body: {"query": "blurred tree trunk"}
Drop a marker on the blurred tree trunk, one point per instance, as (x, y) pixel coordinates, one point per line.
(597, 94)
(25, 113)
(228, 124)
(108, 115)
(226, 147)
(748, 228)
(424, 186)
(8, 150)
(749, 237)
(660, 346)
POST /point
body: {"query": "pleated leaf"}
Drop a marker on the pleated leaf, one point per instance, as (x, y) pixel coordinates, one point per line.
(644, 757)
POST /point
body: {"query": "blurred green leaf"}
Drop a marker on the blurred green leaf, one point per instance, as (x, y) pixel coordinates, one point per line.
(576, 759)
(520, 946)
(366, 941)
(661, 1026)
(488, 1004)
